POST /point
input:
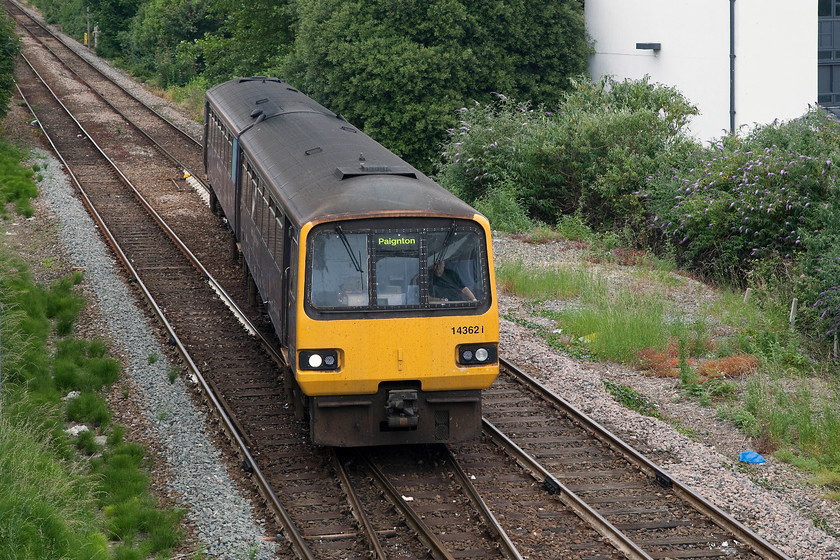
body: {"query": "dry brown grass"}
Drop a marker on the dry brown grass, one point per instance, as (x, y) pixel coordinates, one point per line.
(729, 367)
(666, 364)
(658, 363)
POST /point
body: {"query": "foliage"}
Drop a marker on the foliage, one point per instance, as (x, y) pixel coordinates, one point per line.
(401, 69)
(131, 514)
(767, 196)
(588, 155)
(9, 48)
(44, 510)
(808, 420)
(71, 15)
(561, 283)
(113, 18)
(251, 37)
(616, 325)
(631, 398)
(48, 508)
(16, 184)
(501, 206)
(155, 33)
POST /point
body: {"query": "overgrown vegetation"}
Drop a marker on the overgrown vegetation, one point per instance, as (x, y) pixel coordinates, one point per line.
(82, 496)
(16, 185)
(587, 153)
(399, 70)
(9, 48)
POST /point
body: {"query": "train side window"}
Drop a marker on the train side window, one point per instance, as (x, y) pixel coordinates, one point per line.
(271, 232)
(278, 239)
(256, 206)
(251, 194)
(265, 218)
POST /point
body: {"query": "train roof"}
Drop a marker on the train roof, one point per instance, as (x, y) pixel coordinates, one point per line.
(319, 165)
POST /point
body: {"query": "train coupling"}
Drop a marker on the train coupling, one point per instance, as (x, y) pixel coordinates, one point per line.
(401, 410)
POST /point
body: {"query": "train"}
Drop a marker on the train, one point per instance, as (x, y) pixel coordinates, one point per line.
(379, 282)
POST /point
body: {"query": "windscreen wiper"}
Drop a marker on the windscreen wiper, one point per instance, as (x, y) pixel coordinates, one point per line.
(446, 241)
(356, 264)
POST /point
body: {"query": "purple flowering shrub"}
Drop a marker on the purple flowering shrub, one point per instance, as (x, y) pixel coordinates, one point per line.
(771, 194)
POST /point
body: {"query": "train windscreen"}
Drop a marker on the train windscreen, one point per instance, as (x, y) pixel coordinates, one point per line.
(358, 268)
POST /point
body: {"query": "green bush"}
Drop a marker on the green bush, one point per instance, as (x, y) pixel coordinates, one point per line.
(505, 213)
(157, 29)
(88, 408)
(16, 184)
(587, 156)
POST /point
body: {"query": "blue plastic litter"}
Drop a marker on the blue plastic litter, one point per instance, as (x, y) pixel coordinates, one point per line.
(751, 457)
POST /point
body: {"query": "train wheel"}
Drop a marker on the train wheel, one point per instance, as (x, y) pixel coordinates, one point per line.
(214, 203)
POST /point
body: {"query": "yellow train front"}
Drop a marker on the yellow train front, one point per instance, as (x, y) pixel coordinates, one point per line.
(388, 349)
(379, 282)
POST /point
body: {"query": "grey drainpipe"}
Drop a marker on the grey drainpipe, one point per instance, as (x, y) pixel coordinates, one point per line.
(732, 66)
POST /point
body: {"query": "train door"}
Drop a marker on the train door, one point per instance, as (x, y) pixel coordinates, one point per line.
(237, 177)
(290, 248)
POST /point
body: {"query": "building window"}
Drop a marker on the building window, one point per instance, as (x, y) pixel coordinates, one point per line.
(828, 55)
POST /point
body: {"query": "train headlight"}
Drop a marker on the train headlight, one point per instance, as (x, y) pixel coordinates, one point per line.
(318, 360)
(477, 354)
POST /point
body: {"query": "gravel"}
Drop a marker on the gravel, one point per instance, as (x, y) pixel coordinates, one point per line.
(222, 518)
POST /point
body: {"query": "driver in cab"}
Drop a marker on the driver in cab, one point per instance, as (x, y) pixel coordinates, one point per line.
(446, 285)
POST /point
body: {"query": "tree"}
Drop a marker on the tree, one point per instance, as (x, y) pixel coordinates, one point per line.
(157, 30)
(113, 18)
(252, 37)
(402, 68)
(9, 49)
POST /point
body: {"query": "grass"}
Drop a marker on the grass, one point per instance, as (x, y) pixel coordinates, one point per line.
(516, 278)
(738, 356)
(60, 496)
(16, 184)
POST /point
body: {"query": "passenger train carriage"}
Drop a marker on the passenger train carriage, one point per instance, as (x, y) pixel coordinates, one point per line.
(379, 282)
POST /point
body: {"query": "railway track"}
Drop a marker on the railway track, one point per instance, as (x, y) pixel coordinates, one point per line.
(638, 506)
(356, 504)
(181, 148)
(241, 379)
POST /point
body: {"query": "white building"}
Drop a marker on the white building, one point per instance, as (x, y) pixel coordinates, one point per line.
(740, 61)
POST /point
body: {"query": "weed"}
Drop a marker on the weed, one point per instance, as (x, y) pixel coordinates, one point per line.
(88, 408)
(727, 367)
(17, 185)
(50, 509)
(173, 374)
(741, 417)
(616, 326)
(86, 443)
(153, 358)
(632, 399)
